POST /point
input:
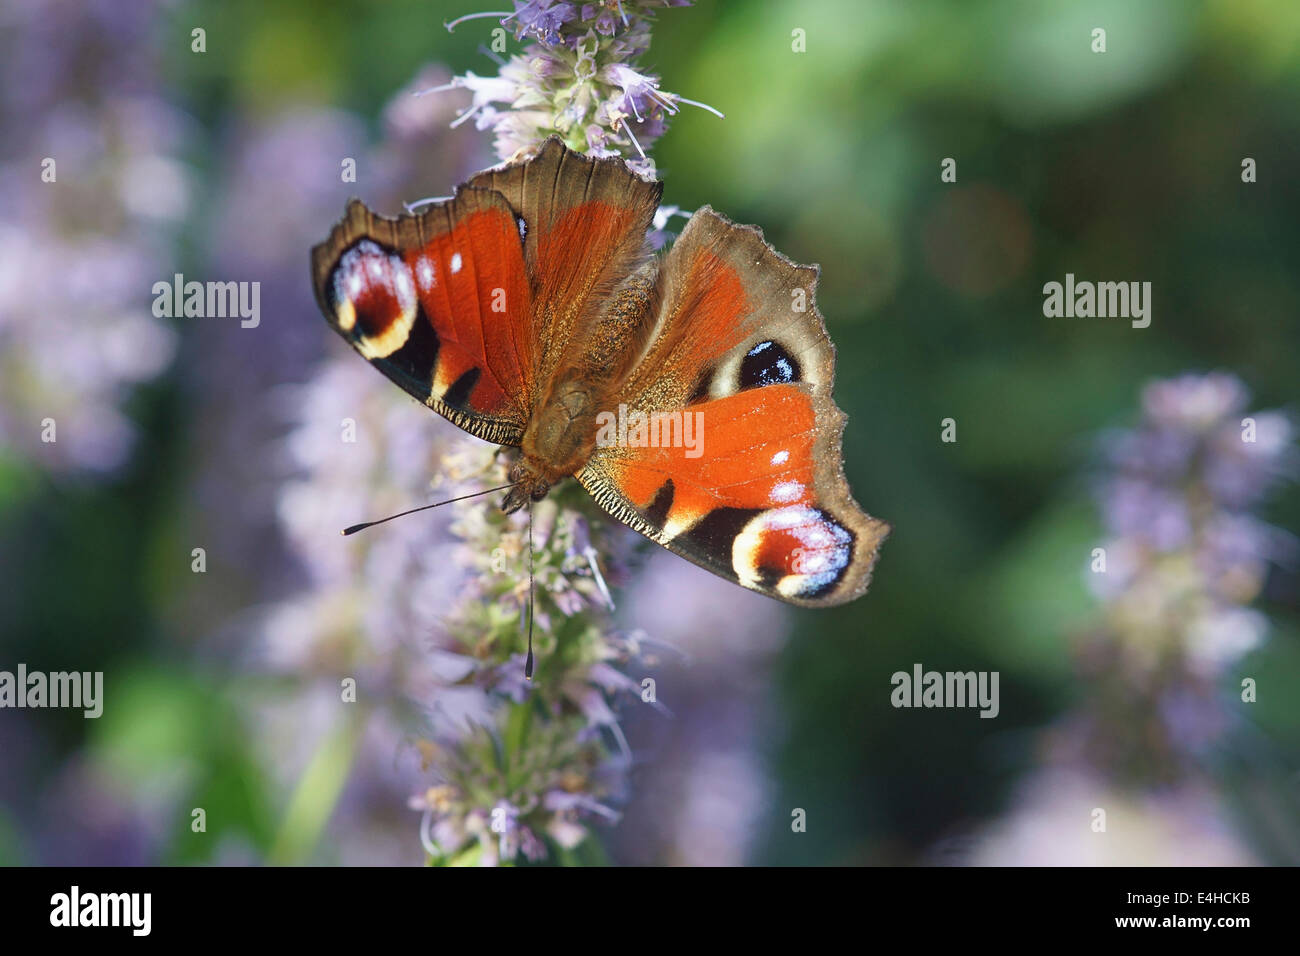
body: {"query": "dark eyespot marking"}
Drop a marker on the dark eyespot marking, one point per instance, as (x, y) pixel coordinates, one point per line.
(418, 355)
(767, 363)
(458, 395)
(717, 530)
(372, 279)
(657, 513)
(769, 577)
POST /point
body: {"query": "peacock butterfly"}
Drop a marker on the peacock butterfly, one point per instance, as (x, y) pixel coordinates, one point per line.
(529, 311)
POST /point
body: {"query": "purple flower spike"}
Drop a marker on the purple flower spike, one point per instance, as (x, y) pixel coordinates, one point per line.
(578, 79)
(1186, 554)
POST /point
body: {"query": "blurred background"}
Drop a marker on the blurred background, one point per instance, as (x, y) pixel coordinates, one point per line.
(1120, 690)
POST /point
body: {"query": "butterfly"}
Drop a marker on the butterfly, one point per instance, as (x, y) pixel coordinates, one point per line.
(688, 392)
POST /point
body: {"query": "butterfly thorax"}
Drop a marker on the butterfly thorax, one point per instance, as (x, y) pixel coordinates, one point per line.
(558, 441)
(561, 433)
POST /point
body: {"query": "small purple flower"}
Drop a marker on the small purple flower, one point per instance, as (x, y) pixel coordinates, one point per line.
(1193, 402)
(543, 19)
(641, 97)
(1151, 513)
(82, 86)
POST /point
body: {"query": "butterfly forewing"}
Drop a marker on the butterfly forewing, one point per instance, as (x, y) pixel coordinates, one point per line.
(440, 304)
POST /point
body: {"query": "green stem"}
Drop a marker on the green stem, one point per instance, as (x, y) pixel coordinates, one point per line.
(318, 791)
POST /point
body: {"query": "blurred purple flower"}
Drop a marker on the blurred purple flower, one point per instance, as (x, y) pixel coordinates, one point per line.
(79, 251)
(1185, 557)
(1178, 504)
(1049, 825)
(277, 478)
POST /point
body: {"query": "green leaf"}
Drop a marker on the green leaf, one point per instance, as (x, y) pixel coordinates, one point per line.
(318, 791)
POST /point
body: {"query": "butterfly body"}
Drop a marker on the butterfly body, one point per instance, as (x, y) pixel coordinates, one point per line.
(558, 441)
(529, 311)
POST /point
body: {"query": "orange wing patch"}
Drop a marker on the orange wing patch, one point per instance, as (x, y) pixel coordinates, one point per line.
(753, 450)
(585, 223)
(471, 283)
(747, 502)
(586, 232)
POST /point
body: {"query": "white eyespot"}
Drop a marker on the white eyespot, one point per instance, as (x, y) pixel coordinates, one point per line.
(786, 491)
(814, 562)
(455, 262)
(819, 558)
(403, 286)
(780, 458)
(424, 272)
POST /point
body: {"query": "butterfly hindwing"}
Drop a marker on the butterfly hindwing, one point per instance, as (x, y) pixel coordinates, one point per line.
(741, 363)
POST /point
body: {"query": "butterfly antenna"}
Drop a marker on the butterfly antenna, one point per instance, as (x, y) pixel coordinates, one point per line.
(427, 201)
(437, 504)
(528, 664)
